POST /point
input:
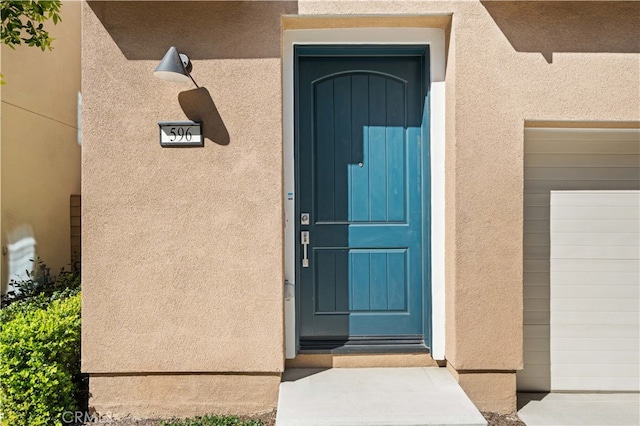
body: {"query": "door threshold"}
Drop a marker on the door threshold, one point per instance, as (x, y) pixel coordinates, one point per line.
(361, 360)
(368, 349)
(364, 345)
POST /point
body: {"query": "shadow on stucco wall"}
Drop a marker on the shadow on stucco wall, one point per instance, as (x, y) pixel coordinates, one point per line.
(198, 105)
(552, 27)
(203, 29)
(214, 31)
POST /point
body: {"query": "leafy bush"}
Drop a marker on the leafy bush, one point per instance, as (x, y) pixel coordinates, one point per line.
(41, 283)
(211, 420)
(40, 351)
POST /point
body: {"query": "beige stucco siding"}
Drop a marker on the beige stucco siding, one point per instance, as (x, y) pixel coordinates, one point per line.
(183, 248)
(40, 154)
(171, 395)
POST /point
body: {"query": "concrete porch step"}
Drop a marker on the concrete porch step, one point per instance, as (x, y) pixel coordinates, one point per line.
(374, 396)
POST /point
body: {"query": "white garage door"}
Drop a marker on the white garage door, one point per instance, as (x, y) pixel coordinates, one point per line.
(595, 290)
(562, 159)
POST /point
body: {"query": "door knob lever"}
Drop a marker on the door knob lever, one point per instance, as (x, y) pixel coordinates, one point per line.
(304, 240)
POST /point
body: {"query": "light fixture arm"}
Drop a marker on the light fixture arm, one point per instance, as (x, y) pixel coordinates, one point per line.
(194, 82)
(188, 67)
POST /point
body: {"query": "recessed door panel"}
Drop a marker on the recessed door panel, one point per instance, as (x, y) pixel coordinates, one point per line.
(359, 164)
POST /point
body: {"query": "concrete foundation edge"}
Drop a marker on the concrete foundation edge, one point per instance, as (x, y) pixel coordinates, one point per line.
(182, 395)
(490, 391)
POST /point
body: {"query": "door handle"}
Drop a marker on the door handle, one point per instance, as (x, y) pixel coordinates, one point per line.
(304, 240)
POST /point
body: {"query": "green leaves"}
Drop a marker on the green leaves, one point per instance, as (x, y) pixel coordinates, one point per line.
(23, 22)
(42, 287)
(40, 353)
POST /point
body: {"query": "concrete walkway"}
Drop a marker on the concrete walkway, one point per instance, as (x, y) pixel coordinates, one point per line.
(568, 409)
(374, 396)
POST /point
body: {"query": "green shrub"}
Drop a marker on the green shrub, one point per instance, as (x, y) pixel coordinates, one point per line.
(39, 359)
(40, 282)
(211, 420)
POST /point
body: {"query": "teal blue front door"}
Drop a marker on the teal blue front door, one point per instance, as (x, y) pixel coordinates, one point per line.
(361, 183)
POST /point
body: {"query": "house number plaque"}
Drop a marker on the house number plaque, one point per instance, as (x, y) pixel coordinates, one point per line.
(180, 133)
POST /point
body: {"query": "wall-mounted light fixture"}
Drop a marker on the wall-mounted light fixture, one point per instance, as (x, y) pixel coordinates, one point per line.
(175, 66)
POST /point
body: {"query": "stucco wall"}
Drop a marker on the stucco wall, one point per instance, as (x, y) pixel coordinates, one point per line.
(40, 153)
(183, 247)
(499, 77)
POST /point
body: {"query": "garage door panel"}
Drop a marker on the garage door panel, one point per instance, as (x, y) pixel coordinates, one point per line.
(603, 238)
(580, 173)
(605, 213)
(537, 292)
(595, 304)
(595, 318)
(534, 357)
(589, 292)
(591, 265)
(578, 161)
(594, 225)
(542, 186)
(538, 305)
(595, 278)
(576, 198)
(626, 358)
(604, 371)
(536, 265)
(595, 252)
(536, 226)
(541, 344)
(583, 160)
(537, 199)
(580, 135)
(537, 370)
(537, 278)
(595, 327)
(536, 318)
(624, 331)
(584, 146)
(537, 213)
(537, 240)
(589, 344)
(536, 252)
(537, 331)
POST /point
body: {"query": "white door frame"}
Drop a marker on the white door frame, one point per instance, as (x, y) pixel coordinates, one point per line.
(435, 38)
